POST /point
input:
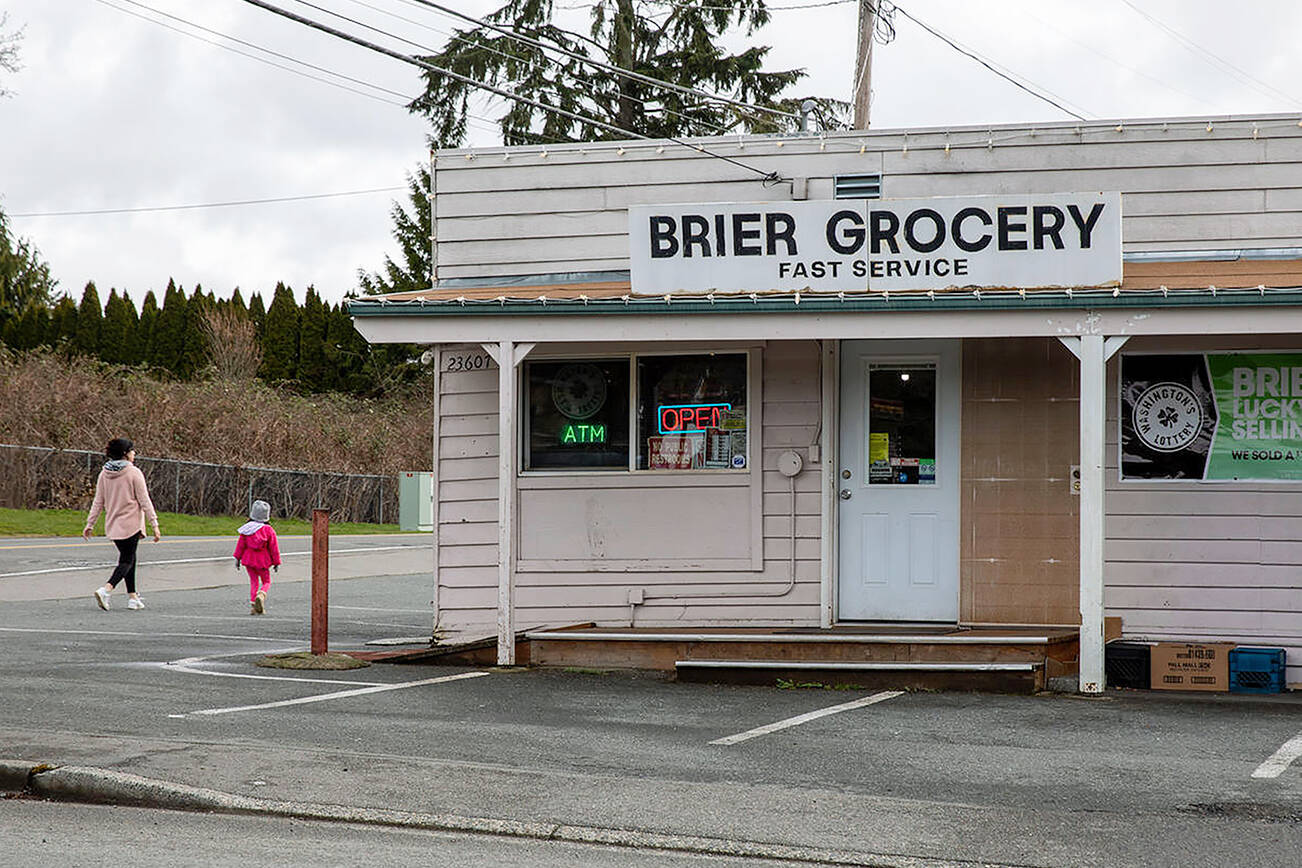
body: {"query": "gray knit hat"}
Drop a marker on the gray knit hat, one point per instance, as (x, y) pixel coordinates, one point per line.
(261, 511)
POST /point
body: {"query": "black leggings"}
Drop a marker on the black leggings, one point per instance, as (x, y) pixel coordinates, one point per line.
(126, 568)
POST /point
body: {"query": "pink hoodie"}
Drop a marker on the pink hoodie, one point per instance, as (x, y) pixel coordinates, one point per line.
(124, 499)
(259, 549)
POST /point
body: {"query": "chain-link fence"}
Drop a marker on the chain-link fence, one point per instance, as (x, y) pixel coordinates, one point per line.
(34, 477)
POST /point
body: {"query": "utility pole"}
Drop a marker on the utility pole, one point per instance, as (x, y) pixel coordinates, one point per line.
(625, 16)
(864, 63)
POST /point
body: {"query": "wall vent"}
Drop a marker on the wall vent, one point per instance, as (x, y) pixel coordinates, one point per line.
(858, 186)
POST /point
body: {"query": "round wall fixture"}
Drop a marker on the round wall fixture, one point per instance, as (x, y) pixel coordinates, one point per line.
(579, 390)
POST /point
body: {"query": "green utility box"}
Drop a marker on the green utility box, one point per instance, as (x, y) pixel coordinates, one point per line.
(416, 501)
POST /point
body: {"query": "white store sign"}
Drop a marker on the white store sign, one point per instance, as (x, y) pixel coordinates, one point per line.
(844, 245)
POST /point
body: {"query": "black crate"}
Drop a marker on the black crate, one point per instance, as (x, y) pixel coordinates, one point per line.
(1257, 670)
(1127, 664)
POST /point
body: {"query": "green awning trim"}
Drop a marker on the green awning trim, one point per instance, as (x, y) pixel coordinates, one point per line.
(832, 304)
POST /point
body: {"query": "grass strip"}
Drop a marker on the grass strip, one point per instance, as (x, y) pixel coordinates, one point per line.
(69, 522)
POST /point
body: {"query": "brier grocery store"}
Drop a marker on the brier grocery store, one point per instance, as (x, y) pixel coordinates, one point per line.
(967, 384)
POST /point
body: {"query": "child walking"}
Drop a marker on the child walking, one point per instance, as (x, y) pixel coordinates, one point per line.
(259, 552)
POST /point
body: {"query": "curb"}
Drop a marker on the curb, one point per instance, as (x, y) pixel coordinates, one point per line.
(103, 786)
(14, 775)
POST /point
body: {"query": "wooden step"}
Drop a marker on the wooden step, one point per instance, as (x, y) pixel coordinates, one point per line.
(662, 650)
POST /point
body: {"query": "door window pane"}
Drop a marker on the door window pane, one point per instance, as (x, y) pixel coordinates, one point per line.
(691, 412)
(902, 424)
(578, 415)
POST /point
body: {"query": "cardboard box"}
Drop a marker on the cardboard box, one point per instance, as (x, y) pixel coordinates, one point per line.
(1189, 666)
(1111, 628)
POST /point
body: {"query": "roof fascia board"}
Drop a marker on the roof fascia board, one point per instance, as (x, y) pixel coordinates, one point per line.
(974, 323)
(812, 305)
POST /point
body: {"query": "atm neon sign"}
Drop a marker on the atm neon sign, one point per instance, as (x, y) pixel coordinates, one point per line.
(574, 434)
(690, 418)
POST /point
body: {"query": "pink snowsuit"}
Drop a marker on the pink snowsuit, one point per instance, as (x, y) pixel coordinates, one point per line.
(258, 552)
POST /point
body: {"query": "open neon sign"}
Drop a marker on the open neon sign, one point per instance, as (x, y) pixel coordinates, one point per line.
(690, 418)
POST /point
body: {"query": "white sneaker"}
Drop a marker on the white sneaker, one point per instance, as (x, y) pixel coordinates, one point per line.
(102, 597)
(135, 603)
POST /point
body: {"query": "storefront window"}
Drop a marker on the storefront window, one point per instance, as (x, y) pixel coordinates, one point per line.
(691, 412)
(577, 415)
(902, 424)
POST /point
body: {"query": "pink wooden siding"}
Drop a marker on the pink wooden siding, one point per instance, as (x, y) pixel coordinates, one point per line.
(1204, 561)
(466, 479)
(754, 559)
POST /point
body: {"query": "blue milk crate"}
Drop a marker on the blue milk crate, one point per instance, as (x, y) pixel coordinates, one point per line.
(1257, 670)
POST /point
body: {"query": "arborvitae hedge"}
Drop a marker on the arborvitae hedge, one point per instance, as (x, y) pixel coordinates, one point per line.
(90, 321)
(314, 347)
(117, 334)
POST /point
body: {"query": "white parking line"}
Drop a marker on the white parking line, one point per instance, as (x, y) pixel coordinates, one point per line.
(1280, 759)
(188, 665)
(805, 718)
(340, 694)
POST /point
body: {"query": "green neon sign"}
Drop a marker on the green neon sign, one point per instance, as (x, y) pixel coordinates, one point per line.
(584, 434)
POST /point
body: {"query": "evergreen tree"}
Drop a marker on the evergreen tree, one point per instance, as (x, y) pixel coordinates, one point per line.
(24, 277)
(10, 333)
(192, 358)
(257, 312)
(131, 347)
(62, 330)
(236, 302)
(280, 337)
(142, 352)
(345, 352)
(115, 334)
(32, 326)
(90, 321)
(664, 39)
(311, 343)
(412, 232)
(169, 330)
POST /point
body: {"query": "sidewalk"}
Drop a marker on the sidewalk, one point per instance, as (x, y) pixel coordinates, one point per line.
(100, 786)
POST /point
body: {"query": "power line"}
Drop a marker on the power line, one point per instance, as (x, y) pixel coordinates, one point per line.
(885, 7)
(208, 204)
(1214, 59)
(1113, 60)
(488, 123)
(620, 71)
(730, 8)
(769, 177)
(476, 43)
(258, 48)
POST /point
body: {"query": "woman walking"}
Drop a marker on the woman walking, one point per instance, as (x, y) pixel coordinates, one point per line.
(121, 494)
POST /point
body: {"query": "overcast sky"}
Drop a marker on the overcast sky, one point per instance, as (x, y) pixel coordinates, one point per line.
(111, 111)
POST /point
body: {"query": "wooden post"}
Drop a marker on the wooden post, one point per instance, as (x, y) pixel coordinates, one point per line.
(320, 580)
(1092, 410)
(863, 64)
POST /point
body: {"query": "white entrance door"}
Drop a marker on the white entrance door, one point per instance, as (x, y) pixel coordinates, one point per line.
(898, 478)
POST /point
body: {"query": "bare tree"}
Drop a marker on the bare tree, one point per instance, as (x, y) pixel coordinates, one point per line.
(8, 50)
(233, 351)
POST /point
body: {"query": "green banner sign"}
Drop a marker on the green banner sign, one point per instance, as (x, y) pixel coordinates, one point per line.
(1213, 416)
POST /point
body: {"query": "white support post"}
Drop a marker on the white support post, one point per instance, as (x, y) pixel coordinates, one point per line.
(1093, 363)
(436, 476)
(508, 356)
(506, 428)
(828, 451)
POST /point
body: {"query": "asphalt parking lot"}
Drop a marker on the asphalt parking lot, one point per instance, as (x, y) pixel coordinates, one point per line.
(172, 693)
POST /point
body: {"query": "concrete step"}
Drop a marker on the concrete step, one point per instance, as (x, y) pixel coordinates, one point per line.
(1001, 677)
